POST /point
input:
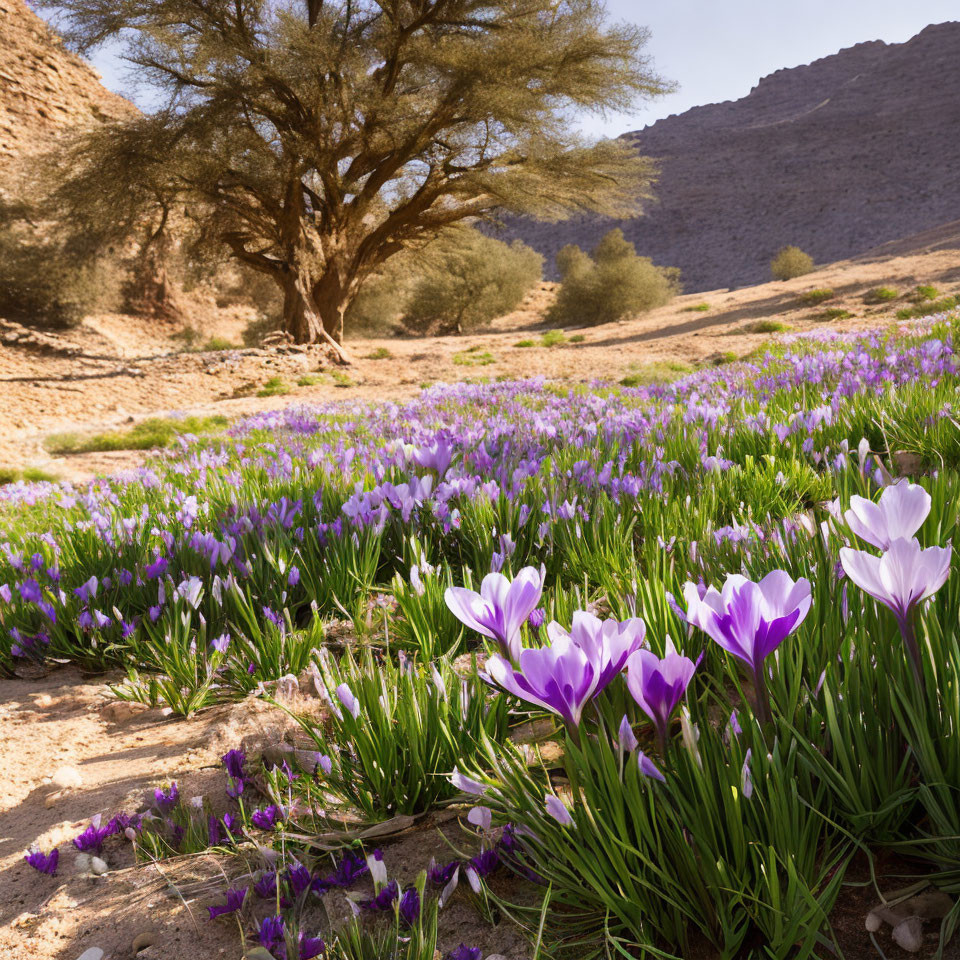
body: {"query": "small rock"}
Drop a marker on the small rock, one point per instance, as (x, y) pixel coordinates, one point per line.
(82, 862)
(98, 867)
(66, 778)
(143, 940)
(52, 798)
(120, 710)
(909, 934)
(94, 953)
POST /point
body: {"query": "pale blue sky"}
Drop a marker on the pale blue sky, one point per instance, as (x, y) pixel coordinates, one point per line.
(718, 49)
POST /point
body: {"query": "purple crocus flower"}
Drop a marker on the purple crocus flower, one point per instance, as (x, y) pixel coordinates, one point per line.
(900, 579)
(608, 643)
(293, 578)
(30, 591)
(234, 761)
(409, 908)
(235, 898)
(464, 952)
(232, 825)
(560, 678)
(648, 768)
(266, 886)
(750, 620)
(558, 810)
(440, 874)
(499, 610)
(44, 862)
(92, 838)
(167, 799)
(310, 947)
(384, 899)
(298, 877)
(272, 936)
(267, 818)
(659, 685)
(899, 513)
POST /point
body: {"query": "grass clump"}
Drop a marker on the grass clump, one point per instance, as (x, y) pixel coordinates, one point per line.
(928, 307)
(310, 380)
(553, 338)
(474, 356)
(881, 295)
(274, 387)
(791, 262)
(341, 379)
(924, 292)
(28, 474)
(381, 353)
(146, 435)
(697, 308)
(219, 343)
(832, 313)
(578, 338)
(659, 371)
(610, 284)
(812, 297)
(523, 344)
(767, 326)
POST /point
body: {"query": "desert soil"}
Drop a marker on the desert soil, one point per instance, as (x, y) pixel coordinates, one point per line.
(123, 369)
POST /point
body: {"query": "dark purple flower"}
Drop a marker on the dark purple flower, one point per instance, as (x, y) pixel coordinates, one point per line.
(440, 874)
(310, 947)
(348, 871)
(298, 876)
(30, 591)
(272, 936)
(409, 908)
(234, 788)
(267, 818)
(235, 898)
(266, 886)
(234, 761)
(485, 862)
(167, 799)
(92, 838)
(214, 832)
(156, 569)
(464, 953)
(384, 900)
(232, 824)
(293, 578)
(44, 862)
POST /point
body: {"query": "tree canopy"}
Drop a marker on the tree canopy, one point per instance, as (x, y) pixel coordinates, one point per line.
(317, 138)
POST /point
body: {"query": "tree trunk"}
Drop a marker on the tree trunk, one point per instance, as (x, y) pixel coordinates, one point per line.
(304, 321)
(149, 291)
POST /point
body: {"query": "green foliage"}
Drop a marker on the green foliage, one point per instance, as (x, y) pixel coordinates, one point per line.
(881, 295)
(610, 285)
(28, 474)
(474, 356)
(274, 387)
(310, 380)
(767, 326)
(697, 308)
(469, 279)
(578, 338)
(925, 291)
(526, 343)
(552, 338)
(791, 262)
(832, 313)
(409, 727)
(148, 434)
(380, 353)
(44, 284)
(218, 343)
(659, 371)
(812, 297)
(928, 307)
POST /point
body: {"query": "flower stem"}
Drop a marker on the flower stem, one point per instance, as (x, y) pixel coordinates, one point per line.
(913, 648)
(761, 696)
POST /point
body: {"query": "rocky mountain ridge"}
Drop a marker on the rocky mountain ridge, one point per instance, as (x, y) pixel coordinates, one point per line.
(837, 156)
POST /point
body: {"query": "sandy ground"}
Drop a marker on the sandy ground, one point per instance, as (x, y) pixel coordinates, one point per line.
(129, 369)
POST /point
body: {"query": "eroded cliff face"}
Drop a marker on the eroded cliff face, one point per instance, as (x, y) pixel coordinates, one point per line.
(837, 156)
(44, 88)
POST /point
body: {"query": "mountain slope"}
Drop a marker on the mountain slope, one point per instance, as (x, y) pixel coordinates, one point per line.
(838, 156)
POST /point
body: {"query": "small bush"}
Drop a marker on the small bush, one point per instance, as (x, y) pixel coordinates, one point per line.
(468, 280)
(660, 371)
(880, 295)
(925, 292)
(219, 343)
(791, 262)
(341, 379)
(553, 338)
(611, 284)
(274, 387)
(381, 353)
(812, 297)
(310, 380)
(474, 357)
(767, 326)
(526, 343)
(832, 313)
(929, 307)
(697, 308)
(578, 338)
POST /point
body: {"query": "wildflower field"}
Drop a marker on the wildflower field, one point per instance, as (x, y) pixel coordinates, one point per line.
(680, 655)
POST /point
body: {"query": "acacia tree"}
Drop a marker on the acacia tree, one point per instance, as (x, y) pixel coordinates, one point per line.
(317, 138)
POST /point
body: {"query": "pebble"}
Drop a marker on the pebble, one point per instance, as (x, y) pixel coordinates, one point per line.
(66, 778)
(98, 867)
(909, 934)
(94, 953)
(82, 862)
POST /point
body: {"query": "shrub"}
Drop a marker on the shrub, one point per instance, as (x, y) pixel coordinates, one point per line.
(578, 338)
(468, 280)
(526, 343)
(219, 343)
(274, 387)
(697, 308)
(474, 357)
(791, 262)
(880, 295)
(553, 338)
(310, 380)
(613, 283)
(832, 313)
(660, 371)
(767, 326)
(382, 299)
(381, 353)
(929, 307)
(925, 292)
(812, 297)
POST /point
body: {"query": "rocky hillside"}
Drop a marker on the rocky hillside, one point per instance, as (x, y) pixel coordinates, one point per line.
(43, 87)
(838, 156)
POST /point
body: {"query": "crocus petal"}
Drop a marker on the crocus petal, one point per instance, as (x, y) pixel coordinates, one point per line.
(558, 810)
